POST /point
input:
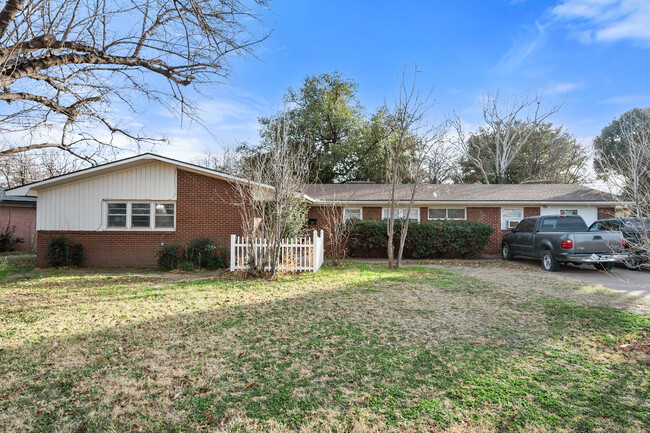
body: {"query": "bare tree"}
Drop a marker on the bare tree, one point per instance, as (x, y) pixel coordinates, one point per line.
(508, 127)
(270, 202)
(628, 174)
(22, 168)
(337, 229)
(67, 65)
(440, 164)
(228, 160)
(412, 139)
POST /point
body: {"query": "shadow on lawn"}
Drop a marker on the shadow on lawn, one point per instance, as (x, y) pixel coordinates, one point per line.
(338, 357)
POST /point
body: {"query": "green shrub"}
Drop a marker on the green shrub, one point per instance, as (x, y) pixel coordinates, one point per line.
(424, 240)
(187, 266)
(7, 239)
(204, 253)
(169, 257)
(447, 239)
(63, 251)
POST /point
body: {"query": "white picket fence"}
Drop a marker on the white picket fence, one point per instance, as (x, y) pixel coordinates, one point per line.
(296, 254)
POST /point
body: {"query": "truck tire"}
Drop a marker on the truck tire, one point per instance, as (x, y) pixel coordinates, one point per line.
(632, 263)
(548, 261)
(604, 266)
(506, 252)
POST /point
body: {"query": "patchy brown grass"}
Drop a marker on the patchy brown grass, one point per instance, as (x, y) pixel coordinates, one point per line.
(354, 349)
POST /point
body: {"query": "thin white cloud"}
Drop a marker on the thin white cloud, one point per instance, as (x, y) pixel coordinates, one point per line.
(607, 20)
(622, 100)
(554, 88)
(521, 49)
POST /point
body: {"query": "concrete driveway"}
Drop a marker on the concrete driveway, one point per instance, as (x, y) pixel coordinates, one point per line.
(635, 283)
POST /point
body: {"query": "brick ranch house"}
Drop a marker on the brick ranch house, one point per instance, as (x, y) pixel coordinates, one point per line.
(123, 212)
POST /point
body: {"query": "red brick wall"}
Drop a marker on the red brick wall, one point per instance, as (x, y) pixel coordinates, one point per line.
(606, 212)
(23, 218)
(491, 216)
(372, 213)
(204, 208)
(531, 211)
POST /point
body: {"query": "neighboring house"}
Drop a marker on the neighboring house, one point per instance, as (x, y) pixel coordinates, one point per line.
(20, 212)
(500, 206)
(124, 211)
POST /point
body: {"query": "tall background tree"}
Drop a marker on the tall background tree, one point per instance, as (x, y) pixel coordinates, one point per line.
(67, 66)
(344, 143)
(549, 155)
(508, 127)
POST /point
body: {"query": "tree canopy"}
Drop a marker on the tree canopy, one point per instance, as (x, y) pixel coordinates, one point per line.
(613, 142)
(325, 114)
(550, 155)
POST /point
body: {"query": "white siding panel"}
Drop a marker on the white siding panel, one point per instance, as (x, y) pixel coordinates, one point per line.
(79, 205)
(588, 213)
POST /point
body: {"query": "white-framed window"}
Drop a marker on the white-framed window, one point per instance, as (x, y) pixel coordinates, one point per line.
(400, 213)
(350, 213)
(455, 213)
(140, 215)
(116, 215)
(510, 217)
(568, 211)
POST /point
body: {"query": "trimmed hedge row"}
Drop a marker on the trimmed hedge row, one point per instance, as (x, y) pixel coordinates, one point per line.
(426, 240)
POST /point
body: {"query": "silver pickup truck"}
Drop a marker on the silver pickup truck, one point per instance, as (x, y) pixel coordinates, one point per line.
(563, 239)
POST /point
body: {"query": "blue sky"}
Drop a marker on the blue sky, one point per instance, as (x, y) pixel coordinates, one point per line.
(592, 54)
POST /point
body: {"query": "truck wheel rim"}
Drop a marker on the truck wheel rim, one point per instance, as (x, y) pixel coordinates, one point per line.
(505, 251)
(547, 261)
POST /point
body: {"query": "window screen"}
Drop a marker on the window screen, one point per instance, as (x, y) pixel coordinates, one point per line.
(116, 216)
(140, 215)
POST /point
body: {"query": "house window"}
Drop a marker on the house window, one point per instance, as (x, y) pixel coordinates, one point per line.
(569, 212)
(510, 217)
(164, 215)
(400, 213)
(140, 215)
(350, 213)
(116, 215)
(446, 214)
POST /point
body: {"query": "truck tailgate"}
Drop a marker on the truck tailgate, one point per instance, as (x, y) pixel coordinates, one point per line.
(598, 242)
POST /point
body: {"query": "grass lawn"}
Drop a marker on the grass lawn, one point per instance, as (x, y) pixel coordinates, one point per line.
(359, 348)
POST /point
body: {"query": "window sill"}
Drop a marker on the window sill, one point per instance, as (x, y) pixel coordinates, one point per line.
(120, 229)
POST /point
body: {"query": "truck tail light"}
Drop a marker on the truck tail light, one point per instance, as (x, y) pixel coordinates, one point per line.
(567, 244)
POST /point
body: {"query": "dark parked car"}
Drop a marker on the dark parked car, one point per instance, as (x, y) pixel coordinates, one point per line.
(636, 235)
(563, 239)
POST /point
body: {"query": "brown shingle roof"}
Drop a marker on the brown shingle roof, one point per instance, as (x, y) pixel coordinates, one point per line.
(460, 193)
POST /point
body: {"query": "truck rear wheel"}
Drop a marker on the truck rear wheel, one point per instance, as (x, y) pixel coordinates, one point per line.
(632, 263)
(548, 262)
(506, 252)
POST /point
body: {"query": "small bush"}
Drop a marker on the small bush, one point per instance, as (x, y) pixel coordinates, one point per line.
(204, 253)
(424, 240)
(62, 251)
(7, 239)
(187, 266)
(169, 257)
